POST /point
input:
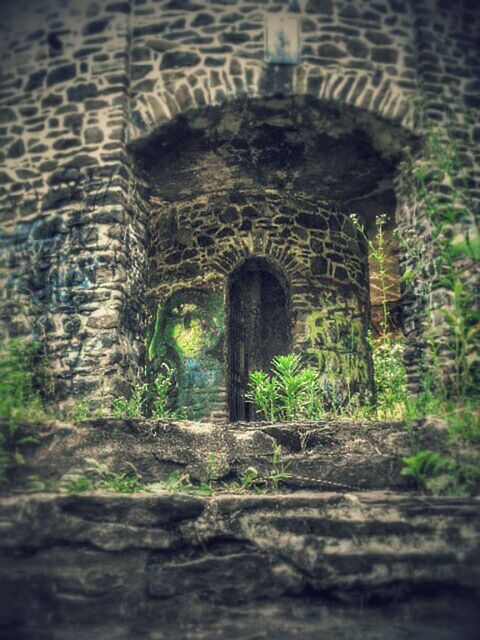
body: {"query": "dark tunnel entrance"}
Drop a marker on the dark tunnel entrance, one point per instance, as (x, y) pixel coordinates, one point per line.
(258, 329)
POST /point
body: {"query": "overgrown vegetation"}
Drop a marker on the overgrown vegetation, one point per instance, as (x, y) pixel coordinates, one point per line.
(450, 385)
(148, 400)
(294, 390)
(290, 392)
(251, 480)
(96, 476)
(23, 378)
(441, 474)
(390, 376)
(84, 410)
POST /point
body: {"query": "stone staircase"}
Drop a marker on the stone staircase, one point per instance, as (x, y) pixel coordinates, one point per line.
(152, 561)
(299, 563)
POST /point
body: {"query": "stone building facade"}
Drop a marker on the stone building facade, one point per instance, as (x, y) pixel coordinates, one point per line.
(157, 175)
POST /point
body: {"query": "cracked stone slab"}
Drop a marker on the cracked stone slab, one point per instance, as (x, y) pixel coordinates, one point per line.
(340, 455)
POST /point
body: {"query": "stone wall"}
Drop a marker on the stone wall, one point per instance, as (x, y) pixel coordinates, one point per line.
(72, 222)
(86, 88)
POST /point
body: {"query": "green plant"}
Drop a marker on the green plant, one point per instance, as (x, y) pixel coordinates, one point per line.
(336, 351)
(148, 399)
(390, 378)
(464, 324)
(314, 397)
(180, 482)
(176, 482)
(212, 469)
(36, 483)
(377, 253)
(441, 277)
(162, 385)
(81, 411)
(132, 407)
(290, 385)
(251, 480)
(84, 410)
(279, 471)
(262, 393)
(463, 420)
(441, 475)
(96, 476)
(20, 398)
(387, 350)
(21, 375)
(438, 183)
(290, 392)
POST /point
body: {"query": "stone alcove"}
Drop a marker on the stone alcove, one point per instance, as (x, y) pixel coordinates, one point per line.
(263, 182)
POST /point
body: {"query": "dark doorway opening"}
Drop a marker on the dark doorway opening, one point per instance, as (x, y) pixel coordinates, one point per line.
(258, 329)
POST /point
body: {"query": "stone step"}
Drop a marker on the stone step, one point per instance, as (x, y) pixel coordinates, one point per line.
(160, 559)
(336, 455)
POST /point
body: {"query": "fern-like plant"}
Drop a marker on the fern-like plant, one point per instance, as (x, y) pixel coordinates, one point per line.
(132, 407)
(290, 392)
(262, 392)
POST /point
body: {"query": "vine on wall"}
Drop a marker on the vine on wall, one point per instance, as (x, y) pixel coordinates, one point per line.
(445, 276)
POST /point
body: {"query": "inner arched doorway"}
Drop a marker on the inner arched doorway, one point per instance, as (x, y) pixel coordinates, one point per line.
(258, 328)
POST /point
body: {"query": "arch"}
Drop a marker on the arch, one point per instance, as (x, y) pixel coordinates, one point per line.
(307, 278)
(363, 91)
(281, 263)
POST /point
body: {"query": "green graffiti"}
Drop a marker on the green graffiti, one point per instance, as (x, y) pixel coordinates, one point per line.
(336, 346)
(188, 335)
(189, 339)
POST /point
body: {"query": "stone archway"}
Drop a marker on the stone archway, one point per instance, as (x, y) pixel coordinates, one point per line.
(277, 178)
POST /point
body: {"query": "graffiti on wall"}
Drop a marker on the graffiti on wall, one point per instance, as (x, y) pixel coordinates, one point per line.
(336, 345)
(188, 335)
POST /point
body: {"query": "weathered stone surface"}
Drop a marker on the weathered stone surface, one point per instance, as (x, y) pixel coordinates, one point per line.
(17, 150)
(162, 562)
(93, 135)
(331, 51)
(342, 455)
(82, 91)
(203, 19)
(61, 74)
(7, 115)
(320, 6)
(95, 26)
(384, 54)
(172, 59)
(35, 80)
